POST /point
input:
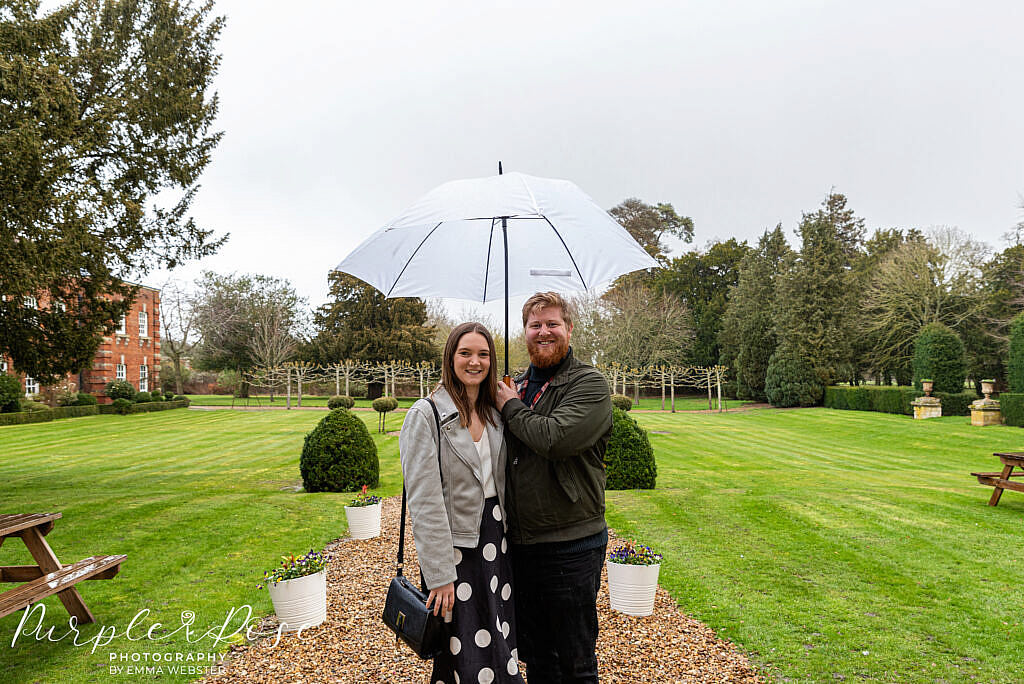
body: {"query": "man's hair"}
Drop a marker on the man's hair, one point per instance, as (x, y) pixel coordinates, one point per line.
(543, 300)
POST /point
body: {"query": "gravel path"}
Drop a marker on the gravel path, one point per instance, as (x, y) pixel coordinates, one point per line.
(354, 646)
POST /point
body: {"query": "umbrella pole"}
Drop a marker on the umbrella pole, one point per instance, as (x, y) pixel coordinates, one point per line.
(507, 379)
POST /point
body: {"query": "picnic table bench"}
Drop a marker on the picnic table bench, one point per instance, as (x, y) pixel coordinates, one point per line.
(1001, 481)
(49, 576)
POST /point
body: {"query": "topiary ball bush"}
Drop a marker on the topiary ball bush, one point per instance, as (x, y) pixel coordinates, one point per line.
(85, 399)
(10, 393)
(120, 389)
(122, 406)
(385, 404)
(340, 401)
(790, 381)
(143, 398)
(939, 355)
(621, 401)
(339, 455)
(629, 458)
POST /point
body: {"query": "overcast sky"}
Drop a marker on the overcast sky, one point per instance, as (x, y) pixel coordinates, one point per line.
(741, 114)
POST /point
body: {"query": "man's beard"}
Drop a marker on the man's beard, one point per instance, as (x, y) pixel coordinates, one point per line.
(547, 356)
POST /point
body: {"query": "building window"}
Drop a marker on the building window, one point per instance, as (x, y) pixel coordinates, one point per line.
(3, 365)
(31, 302)
(143, 378)
(122, 329)
(143, 324)
(31, 386)
(59, 305)
(122, 372)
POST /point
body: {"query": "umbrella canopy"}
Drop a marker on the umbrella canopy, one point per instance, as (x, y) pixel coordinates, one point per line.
(453, 242)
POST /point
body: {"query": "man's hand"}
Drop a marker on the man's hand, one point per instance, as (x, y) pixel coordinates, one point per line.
(504, 394)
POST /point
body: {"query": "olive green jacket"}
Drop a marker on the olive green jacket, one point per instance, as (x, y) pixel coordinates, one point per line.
(555, 468)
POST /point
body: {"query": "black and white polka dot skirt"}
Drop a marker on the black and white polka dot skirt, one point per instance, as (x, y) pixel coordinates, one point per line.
(482, 646)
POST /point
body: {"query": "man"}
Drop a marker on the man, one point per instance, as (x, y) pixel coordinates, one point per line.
(557, 428)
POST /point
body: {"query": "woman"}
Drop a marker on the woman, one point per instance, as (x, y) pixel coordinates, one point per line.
(457, 515)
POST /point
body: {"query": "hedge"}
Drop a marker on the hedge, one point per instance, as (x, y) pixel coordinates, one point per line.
(108, 409)
(873, 398)
(895, 400)
(23, 417)
(46, 416)
(74, 411)
(956, 403)
(1012, 406)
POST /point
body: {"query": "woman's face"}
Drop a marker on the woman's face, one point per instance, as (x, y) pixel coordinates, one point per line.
(472, 359)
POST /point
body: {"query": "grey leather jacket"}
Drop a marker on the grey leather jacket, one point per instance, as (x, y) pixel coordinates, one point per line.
(446, 511)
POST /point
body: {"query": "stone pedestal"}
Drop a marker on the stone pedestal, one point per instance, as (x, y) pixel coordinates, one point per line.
(986, 412)
(927, 407)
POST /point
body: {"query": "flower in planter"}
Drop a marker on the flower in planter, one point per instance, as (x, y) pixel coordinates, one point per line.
(629, 553)
(294, 568)
(363, 500)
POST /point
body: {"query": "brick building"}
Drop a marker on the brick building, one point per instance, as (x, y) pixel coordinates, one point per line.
(131, 353)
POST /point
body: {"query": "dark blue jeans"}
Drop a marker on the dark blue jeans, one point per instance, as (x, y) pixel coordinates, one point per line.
(556, 613)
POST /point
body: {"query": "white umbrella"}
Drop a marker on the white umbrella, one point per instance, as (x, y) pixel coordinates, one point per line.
(486, 238)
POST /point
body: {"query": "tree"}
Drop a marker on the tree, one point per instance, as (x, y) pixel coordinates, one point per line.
(648, 224)
(939, 356)
(917, 283)
(361, 325)
(246, 321)
(702, 279)
(178, 325)
(790, 380)
(747, 337)
(643, 326)
(816, 297)
(106, 115)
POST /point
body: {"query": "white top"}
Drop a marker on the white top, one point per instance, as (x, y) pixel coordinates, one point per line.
(483, 449)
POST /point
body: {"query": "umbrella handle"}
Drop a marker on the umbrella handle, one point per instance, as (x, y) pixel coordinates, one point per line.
(507, 380)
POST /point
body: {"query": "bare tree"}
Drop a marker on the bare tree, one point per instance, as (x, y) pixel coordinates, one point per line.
(644, 327)
(178, 323)
(921, 283)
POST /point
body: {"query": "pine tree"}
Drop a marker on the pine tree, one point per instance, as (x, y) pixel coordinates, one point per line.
(748, 335)
(361, 325)
(816, 299)
(107, 113)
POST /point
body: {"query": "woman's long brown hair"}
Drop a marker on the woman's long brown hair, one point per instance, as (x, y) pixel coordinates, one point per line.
(486, 397)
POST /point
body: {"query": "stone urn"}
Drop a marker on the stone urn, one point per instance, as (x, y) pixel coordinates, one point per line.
(988, 387)
(926, 386)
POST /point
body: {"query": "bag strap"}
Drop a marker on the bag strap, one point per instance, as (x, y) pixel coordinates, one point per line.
(401, 527)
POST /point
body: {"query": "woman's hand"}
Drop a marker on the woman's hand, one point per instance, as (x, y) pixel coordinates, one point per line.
(443, 599)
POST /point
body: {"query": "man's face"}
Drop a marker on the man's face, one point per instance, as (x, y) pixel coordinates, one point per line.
(547, 336)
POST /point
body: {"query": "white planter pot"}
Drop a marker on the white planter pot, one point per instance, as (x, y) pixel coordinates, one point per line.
(363, 521)
(300, 603)
(631, 588)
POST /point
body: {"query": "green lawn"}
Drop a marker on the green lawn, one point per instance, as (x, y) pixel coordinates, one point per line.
(202, 503)
(687, 403)
(833, 544)
(827, 544)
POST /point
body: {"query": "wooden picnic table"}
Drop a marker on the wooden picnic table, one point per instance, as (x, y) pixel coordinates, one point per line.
(49, 576)
(1001, 481)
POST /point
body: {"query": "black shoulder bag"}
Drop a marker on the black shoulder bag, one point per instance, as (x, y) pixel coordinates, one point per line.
(405, 609)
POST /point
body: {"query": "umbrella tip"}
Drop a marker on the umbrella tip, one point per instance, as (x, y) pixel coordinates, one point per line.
(499, 167)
